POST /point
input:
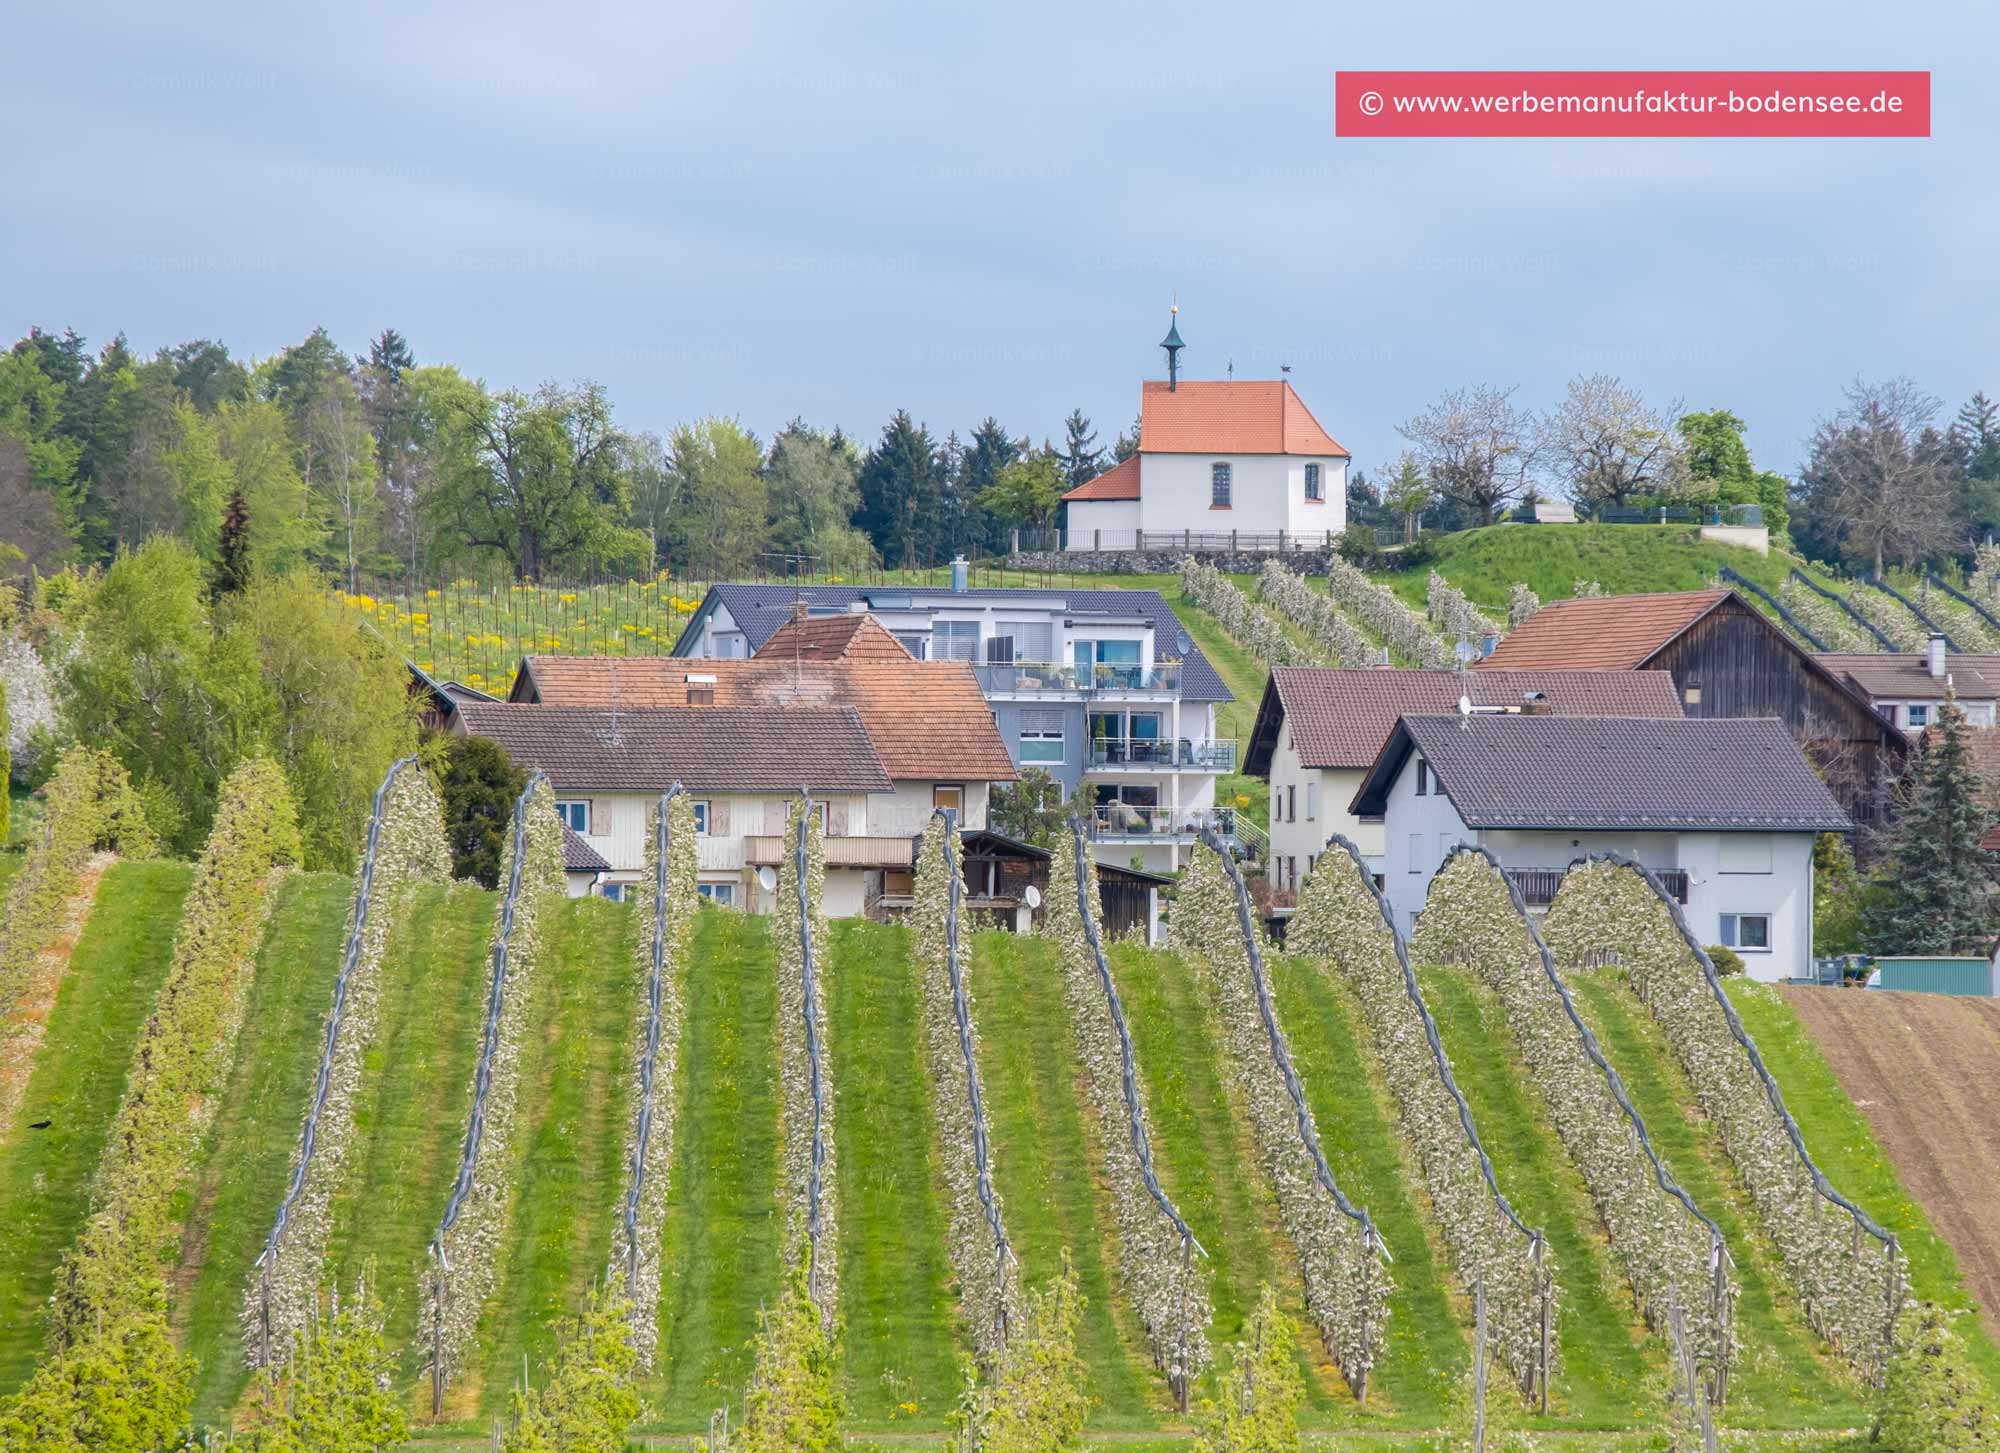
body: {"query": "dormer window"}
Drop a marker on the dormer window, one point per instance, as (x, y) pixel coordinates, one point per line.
(1314, 489)
(1218, 486)
(701, 690)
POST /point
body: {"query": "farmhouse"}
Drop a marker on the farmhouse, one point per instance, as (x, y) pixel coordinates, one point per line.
(1320, 729)
(1215, 458)
(1724, 811)
(1727, 660)
(1102, 689)
(1908, 689)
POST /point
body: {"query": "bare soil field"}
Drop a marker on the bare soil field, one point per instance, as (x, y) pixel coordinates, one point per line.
(1925, 1070)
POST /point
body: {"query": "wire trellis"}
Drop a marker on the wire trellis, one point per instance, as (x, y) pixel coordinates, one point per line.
(655, 1008)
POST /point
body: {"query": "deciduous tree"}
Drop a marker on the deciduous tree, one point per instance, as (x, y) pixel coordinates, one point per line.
(1605, 444)
(1881, 482)
(1476, 447)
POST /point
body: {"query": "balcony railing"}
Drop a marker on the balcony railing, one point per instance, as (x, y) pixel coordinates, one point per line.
(1152, 754)
(1031, 676)
(1539, 885)
(840, 851)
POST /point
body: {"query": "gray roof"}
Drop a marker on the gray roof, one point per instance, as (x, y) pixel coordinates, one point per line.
(713, 749)
(761, 609)
(579, 856)
(1735, 774)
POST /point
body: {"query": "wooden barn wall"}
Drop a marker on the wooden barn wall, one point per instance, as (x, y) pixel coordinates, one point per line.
(1744, 668)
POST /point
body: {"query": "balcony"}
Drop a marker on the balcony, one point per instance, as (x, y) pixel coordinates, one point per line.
(1538, 886)
(1153, 755)
(1031, 678)
(1122, 822)
(841, 852)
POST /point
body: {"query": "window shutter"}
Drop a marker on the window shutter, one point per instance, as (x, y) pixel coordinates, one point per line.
(592, 823)
(718, 817)
(838, 819)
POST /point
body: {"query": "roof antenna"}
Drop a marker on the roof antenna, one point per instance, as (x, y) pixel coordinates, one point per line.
(614, 740)
(1232, 370)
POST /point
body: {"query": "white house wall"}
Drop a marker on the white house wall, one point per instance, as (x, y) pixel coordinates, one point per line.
(1334, 789)
(1106, 524)
(1267, 494)
(1417, 832)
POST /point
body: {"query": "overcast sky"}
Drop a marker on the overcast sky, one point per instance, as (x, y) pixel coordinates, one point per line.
(834, 210)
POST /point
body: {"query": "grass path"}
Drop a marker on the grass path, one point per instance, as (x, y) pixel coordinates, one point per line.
(722, 1236)
(1780, 1377)
(1607, 1368)
(78, 1079)
(1046, 1168)
(901, 1343)
(247, 1158)
(1845, 1148)
(1206, 1158)
(1424, 1352)
(569, 1141)
(410, 1113)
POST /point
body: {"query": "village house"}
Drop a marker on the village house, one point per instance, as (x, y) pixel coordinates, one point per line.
(1319, 729)
(1723, 811)
(1907, 688)
(1727, 659)
(1102, 689)
(1216, 458)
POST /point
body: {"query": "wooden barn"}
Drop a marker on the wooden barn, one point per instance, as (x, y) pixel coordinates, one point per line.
(1727, 659)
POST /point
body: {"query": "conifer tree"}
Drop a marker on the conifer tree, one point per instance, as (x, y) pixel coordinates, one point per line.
(232, 568)
(1082, 459)
(1937, 896)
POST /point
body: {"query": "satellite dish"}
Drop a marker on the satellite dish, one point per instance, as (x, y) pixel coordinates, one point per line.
(1183, 642)
(767, 879)
(1465, 706)
(1466, 653)
(1032, 896)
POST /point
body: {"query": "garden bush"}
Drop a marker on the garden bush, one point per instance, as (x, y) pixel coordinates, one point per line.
(1726, 960)
(667, 903)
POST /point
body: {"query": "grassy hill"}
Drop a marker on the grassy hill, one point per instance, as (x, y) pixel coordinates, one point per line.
(902, 1342)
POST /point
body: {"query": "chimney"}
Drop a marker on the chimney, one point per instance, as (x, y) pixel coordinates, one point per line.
(798, 610)
(1488, 644)
(1936, 654)
(959, 572)
(1534, 703)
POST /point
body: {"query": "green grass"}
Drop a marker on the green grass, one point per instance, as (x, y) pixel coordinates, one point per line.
(1425, 1351)
(247, 1159)
(900, 1312)
(1045, 1164)
(1607, 1370)
(1782, 1376)
(75, 1085)
(569, 1140)
(415, 1093)
(1845, 1148)
(1206, 1158)
(722, 1235)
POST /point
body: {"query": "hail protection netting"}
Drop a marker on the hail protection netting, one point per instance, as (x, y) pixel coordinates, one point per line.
(1849, 1271)
(405, 845)
(804, 1069)
(989, 1286)
(1341, 1257)
(666, 908)
(1343, 924)
(1165, 1271)
(464, 1251)
(1672, 1255)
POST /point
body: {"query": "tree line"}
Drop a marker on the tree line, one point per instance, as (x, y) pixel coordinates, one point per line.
(375, 466)
(1888, 478)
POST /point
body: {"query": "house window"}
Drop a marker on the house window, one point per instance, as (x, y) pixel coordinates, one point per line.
(701, 690)
(575, 815)
(722, 895)
(615, 892)
(1042, 738)
(701, 819)
(1314, 490)
(1218, 486)
(1312, 799)
(1917, 716)
(954, 640)
(1031, 640)
(914, 642)
(1416, 852)
(1744, 853)
(1751, 931)
(1292, 803)
(1423, 778)
(948, 797)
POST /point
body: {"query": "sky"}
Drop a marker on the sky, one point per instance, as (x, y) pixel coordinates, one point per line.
(834, 211)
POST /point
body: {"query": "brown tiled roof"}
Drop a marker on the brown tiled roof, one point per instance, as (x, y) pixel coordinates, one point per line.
(1120, 481)
(1727, 774)
(1215, 417)
(1601, 632)
(857, 637)
(1974, 678)
(927, 720)
(579, 856)
(718, 749)
(1341, 718)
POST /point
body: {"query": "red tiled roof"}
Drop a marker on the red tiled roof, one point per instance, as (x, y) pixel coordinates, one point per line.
(1214, 417)
(1120, 481)
(1601, 632)
(1341, 718)
(928, 720)
(845, 637)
